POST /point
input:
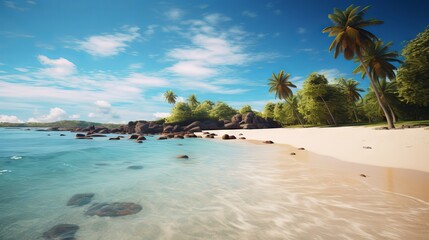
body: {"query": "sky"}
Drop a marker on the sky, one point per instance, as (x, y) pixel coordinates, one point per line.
(111, 61)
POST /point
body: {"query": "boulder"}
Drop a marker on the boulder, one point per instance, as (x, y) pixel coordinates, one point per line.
(162, 138)
(211, 125)
(292, 153)
(242, 138)
(209, 136)
(85, 137)
(61, 232)
(301, 148)
(97, 135)
(193, 125)
(195, 129)
(141, 127)
(62, 135)
(232, 137)
(155, 128)
(177, 128)
(179, 136)
(268, 142)
(168, 129)
(225, 137)
(236, 118)
(140, 138)
(248, 117)
(113, 209)
(80, 135)
(80, 199)
(182, 156)
(190, 135)
(248, 126)
(133, 136)
(232, 125)
(115, 138)
(139, 141)
(105, 130)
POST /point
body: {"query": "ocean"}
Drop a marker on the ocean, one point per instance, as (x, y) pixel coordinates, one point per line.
(225, 190)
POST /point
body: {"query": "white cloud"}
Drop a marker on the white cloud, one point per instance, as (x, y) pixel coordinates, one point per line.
(150, 30)
(10, 119)
(21, 69)
(58, 68)
(249, 14)
(331, 74)
(108, 44)
(191, 69)
(174, 14)
(92, 115)
(159, 115)
(55, 114)
(103, 107)
(74, 116)
(143, 80)
(135, 66)
(216, 18)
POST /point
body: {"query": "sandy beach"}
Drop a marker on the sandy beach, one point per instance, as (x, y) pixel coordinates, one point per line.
(392, 160)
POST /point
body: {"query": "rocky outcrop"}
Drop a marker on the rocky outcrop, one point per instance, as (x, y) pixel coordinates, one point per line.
(141, 127)
(232, 125)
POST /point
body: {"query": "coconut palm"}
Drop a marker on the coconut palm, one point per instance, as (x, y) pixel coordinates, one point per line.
(351, 90)
(192, 101)
(351, 39)
(389, 95)
(293, 103)
(170, 97)
(280, 85)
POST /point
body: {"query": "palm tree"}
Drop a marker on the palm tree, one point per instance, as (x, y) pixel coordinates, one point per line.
(193, 102)
(351, 39)
(293, 103)
(388, 92)
(280, 85)
(351, 90)
(170, 97)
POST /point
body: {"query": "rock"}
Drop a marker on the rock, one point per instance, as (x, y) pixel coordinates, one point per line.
(195, 129)
(80, 199)
(268, 142)
(190, 135)
(61, 232)
(177, 128)
(135, 167)
(80, 135)
(362, 175)
(155, 128)
(139, 141)
(169, 135)
(292, 153)
(236, 118)
(97, 135)
(209, 136)
(232, 125)
(182, 156)
(115, 138)
(205, 133)
(225, 137)
(179, 136)
(240, 134)
(248, 126)
(211, 125)
(141, 127)
(193, 125)
(242, 138)
(168, 129)
(62, 135)
(382, 128)
(140, 138)
(133, 136)
(113, 209)
(104, 130)
(84, 137)
(248, 118)
(367, 147)
(232, 137)
(301, 148)
(213, 134)
(161, 138)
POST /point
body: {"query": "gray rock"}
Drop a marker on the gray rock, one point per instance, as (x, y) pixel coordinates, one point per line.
(61, 232)
(80, 199)
(115, 209)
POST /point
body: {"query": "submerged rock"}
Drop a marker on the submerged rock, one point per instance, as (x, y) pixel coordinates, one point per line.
(84, 137)
(292, 153)
(268, 142)
(113, 209)
(135, 167)
(140, 138)
(182, 156)
(301, 148)
(133, 136)
(62, 135)
(115, 138)
(80, 199)
(61, 232)
(97, 135)
(162, 138)
(139, 141)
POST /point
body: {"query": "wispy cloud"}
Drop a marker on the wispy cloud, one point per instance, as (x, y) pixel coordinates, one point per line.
(248, 13)
(57, 68)
(174, 14)
(331, 74)
(106, 45)
(19, 69)
(8, 34)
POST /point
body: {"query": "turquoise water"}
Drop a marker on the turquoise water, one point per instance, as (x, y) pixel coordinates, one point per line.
(225, 190)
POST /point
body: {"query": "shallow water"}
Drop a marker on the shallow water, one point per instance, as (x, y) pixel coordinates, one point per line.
(225, 190)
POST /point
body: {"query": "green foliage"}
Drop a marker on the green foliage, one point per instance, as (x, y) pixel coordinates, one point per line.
(192, 101)
(222, 111)
(180, 112)
(283, 114)
(170, 97)
(413, 75)
(268, 111)
(202, 111)
(245, 109)
(280, 85)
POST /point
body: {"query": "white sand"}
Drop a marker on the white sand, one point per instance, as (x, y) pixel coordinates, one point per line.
(402, 148)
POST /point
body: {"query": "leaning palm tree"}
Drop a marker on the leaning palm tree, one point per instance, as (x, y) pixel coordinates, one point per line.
(293, 103)
(193, 102)
(170, 97)
(281, 86)
(351, 90)
(389, 95)
(351, 39)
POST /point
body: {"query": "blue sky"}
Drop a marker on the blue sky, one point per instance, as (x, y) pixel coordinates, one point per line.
(111, 61)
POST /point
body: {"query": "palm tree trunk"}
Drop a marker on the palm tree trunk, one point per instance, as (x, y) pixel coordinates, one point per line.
(354, 111)
(392, 113)
(297, 116)
(389, 119)
(329, 111)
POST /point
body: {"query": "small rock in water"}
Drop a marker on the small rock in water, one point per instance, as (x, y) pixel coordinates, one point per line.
(268, 142)
(113, 209)
(162, 138)
(182, 156)
(292, 153)
(80, 199)
(301, 148)
(135, 167)
(140, 138)
(62, 135)
(61, 232)
(133, 136)
(362, 175)
(139, 141)
(367, 147)
(115, 138)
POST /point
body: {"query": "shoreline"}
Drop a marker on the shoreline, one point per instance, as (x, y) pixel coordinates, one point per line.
(396, 160)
